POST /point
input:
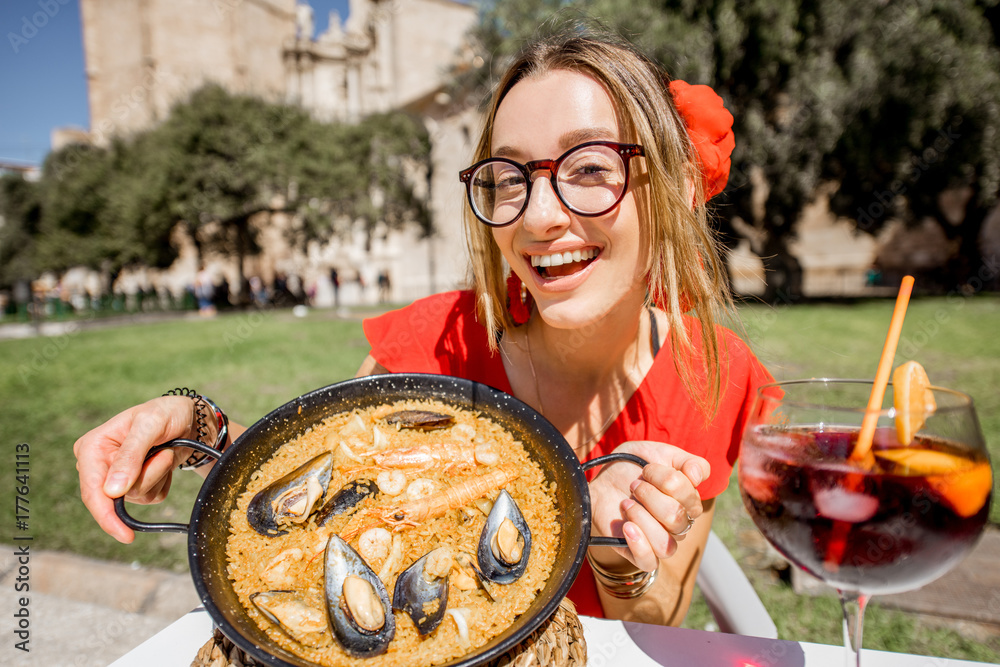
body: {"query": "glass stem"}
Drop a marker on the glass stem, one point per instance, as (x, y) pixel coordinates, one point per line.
(853, 604)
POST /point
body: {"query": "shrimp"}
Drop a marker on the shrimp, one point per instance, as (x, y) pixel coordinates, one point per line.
(375, 545)
(278, 573)
(486, 455)
(417, 511)
(420, 488)
(391, 482)
(414, 512)
(424, 456)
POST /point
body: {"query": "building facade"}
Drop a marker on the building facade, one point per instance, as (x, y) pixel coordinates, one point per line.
(144, 56)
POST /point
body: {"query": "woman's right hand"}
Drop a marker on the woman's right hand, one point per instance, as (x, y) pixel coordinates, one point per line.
(110, 459)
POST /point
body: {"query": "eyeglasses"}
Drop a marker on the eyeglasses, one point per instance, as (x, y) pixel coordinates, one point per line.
(589, 179)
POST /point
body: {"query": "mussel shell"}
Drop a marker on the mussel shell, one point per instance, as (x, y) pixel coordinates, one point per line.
(414, 590)
(347, 498)
(268, 603)
(467, 562)
(260, 511)
(419, 419)
(340, 562)
(492, 568)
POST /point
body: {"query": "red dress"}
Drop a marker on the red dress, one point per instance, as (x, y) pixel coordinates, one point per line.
(440, 334)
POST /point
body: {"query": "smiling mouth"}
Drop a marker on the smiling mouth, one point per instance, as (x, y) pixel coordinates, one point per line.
(559, 264)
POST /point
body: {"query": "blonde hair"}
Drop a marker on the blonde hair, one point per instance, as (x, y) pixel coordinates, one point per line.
(685, 264)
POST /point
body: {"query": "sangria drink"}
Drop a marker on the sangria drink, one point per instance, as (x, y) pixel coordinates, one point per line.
(887, 528)
(892, 519)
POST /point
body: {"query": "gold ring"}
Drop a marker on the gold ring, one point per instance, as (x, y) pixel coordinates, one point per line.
(686, 528)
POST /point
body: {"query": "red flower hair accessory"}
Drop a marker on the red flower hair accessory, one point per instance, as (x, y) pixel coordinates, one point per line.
(710, 127)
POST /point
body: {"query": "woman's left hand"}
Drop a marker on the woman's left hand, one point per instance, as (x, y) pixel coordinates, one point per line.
(650, 507)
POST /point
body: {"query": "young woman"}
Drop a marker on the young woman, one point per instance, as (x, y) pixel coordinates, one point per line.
(589, 243)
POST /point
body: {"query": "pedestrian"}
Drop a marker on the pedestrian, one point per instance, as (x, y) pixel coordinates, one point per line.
(596, 299)
(384, 285)
(204, 291)
(335, 281)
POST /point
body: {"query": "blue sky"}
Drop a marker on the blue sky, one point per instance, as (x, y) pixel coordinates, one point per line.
(42, 79)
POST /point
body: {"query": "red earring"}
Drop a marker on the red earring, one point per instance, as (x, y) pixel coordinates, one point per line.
(518, 299)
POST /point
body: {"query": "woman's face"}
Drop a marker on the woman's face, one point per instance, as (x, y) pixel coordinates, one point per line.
(541, 118)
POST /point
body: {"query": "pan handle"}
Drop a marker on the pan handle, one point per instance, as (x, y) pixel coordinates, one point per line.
(144, 527)
(601, 460)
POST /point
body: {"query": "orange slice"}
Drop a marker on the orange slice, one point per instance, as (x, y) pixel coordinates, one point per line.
(963, 484)
(923, 461)
(912, 398)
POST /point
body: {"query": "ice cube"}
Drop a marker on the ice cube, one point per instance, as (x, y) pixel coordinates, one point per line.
(843, 505)
(757, 483)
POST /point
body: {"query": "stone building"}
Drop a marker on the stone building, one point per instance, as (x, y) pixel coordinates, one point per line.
(142, 56)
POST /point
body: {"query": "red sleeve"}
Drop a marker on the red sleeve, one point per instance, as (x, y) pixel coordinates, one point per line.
(745, 376)
(438, 334)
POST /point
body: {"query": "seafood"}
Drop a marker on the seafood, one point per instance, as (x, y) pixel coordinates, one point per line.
(347, 498)
(422, 590)
(291, 499)
(392, 561)
(424, 456)
(309, 575)
(486, 455)
(298, 619)
(280, 571)
(415, 512)
(391, 482)
(505, 542)
(412, 513)
(357, 602)
(421, 488)
(424, 420)
(374, 545)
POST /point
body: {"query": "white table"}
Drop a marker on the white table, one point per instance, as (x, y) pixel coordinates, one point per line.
(609, 643)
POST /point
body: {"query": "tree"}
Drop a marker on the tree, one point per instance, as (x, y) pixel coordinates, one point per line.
(73, 201)
(229, 158)
(779, 68)
(20, 217)
(366, 173)
(847, 93)
(215, 165)
(772, 63)
(931, 124)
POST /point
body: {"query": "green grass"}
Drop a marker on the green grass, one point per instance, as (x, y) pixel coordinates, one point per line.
(52, 390)
(955, 339)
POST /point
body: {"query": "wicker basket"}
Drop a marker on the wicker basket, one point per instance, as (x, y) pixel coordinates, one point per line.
(558, 642)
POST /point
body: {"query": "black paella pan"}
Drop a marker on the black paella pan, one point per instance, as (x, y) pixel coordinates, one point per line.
(208, 529)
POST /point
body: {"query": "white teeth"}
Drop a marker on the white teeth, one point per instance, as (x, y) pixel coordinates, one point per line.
(558, 259)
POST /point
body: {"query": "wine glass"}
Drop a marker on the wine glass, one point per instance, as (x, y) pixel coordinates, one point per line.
(890, 522)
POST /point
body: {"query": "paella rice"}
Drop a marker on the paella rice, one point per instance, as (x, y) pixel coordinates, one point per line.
(413, 466)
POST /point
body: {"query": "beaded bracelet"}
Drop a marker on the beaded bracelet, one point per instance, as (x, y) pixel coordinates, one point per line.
(623, 586)
(201, 404)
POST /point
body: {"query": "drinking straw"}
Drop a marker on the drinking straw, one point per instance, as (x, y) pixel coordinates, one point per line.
(862, 448)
